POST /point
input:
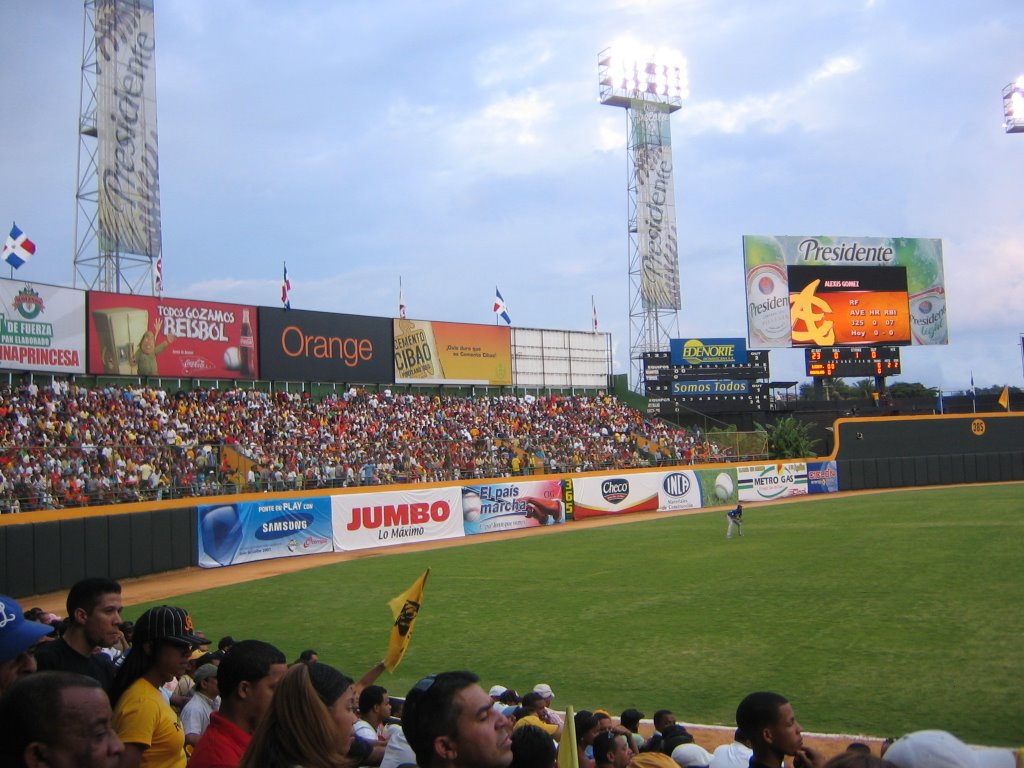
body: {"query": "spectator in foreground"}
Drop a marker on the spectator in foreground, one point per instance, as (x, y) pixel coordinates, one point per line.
(309, 722)
(630, 720)
(768, 719)
(734, 755)
(450, 722)
(18, 638)
(941, 749)
(612, 750)
(195, 715)
(246, 679)
(533, 748)
(57, 719)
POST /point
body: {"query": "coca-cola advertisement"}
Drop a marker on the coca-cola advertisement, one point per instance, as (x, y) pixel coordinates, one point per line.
(180, 338)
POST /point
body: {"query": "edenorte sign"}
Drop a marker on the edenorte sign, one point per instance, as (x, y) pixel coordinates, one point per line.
(705, 351)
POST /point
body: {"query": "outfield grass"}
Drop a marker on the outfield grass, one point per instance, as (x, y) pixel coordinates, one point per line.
(875, 614)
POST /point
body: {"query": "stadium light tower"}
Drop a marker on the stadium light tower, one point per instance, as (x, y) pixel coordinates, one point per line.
(117, 197)
(649, 86)
(1013, 106)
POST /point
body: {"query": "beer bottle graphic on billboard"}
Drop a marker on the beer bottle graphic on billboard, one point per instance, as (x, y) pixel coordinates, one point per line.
(416, 351)
(768, 320)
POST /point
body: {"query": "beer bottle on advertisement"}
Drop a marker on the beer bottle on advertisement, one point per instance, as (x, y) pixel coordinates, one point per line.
(768, 319)
(247, 349)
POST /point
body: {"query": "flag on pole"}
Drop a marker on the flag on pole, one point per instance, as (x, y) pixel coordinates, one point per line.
(974, 394)
(404, 608)
(1004, 397)
(286, 286)
(593, 308)
(18, 248)
(158, 275)
(568, 747)
(401, 300)
(499, 307)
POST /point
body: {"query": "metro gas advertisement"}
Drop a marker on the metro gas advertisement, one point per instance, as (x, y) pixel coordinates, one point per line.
(510, 506)
(618, 495)
(432, 352)
(148, 336)
(41, 327)
(365, 520)
(765, 482)
(245, 531)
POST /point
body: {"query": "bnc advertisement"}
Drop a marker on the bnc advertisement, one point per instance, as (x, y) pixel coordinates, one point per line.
(512, 506)
(367, 520)
(245, 531)
(783, 315)
(146, 336)
(42, 327)
(765, 482)
(299, 345)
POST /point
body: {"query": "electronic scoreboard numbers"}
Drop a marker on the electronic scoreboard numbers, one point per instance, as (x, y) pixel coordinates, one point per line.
(853, 361)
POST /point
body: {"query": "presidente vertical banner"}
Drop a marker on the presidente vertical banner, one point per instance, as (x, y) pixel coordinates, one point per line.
(655, 206)
(42, 327)
(127, 167)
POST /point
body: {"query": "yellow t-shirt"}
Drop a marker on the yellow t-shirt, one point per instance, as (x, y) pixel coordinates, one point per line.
(143, 716)
(548, 728)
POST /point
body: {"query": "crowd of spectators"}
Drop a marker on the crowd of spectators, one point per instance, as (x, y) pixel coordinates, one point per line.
(171, 701)
(69, 445)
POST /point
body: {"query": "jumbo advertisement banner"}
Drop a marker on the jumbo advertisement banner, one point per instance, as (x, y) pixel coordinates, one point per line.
(765, 482)
(127, 168)
(511, 506)
(365, 520)
(146, 336)
(433, 352)
(854, 290)
(299, 345)
(822, 477)
(42, 327)
(245, 531)
(615, 495)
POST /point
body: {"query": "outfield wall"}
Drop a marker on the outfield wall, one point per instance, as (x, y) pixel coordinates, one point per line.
(48, 551)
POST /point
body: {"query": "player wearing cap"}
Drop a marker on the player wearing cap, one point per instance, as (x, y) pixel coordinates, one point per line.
(143, 718)
(735, 521)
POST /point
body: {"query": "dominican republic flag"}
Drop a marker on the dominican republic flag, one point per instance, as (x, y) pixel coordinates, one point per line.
(593, 307)
(286, 285)
(158, 274)
(499, 307)
(18, 249)
(401, 300)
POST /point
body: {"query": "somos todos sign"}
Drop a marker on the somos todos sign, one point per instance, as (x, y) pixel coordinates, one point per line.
(298, 345)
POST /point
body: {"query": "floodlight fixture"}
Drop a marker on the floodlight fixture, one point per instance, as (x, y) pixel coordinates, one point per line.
(1013, 106)
(628, 74)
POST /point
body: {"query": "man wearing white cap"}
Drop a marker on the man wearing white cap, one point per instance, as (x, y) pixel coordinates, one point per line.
(548, 715)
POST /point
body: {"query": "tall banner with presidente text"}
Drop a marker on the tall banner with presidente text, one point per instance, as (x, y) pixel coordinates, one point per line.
(655, 206)
(126, 165)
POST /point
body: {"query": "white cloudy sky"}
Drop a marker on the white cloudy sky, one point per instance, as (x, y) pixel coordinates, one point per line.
(460, 144)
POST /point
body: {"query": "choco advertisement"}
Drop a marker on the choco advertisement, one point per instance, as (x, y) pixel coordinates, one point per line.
(511, 506)
(242, 532)
(299, 345)
(149, 336)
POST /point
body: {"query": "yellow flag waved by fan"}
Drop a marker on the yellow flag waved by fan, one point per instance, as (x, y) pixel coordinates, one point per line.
(1004, 397)
(404, 609)
(568, 748)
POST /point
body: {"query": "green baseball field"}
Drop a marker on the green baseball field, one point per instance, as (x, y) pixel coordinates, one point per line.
(876, 614)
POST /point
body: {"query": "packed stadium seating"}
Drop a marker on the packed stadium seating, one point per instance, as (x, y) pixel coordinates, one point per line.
(69, 445)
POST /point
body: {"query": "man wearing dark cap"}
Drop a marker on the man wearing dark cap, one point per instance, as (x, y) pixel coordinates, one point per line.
(451, 722)
(18, 638)
(767, 719)
(94, 619)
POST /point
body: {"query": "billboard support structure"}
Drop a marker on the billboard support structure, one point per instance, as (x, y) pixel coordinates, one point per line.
(649, 91)
(102, 262)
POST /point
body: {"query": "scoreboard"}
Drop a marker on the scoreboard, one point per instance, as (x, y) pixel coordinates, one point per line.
(853, 361)
(706, 388)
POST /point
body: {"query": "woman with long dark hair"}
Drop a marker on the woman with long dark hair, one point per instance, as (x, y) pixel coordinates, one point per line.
(309, 723)
(143, 718)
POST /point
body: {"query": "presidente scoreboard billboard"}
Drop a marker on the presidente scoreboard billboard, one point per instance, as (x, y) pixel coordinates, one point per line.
(840, 291)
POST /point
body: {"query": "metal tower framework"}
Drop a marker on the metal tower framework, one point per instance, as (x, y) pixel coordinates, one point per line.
(649, 92)
(96, 268)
